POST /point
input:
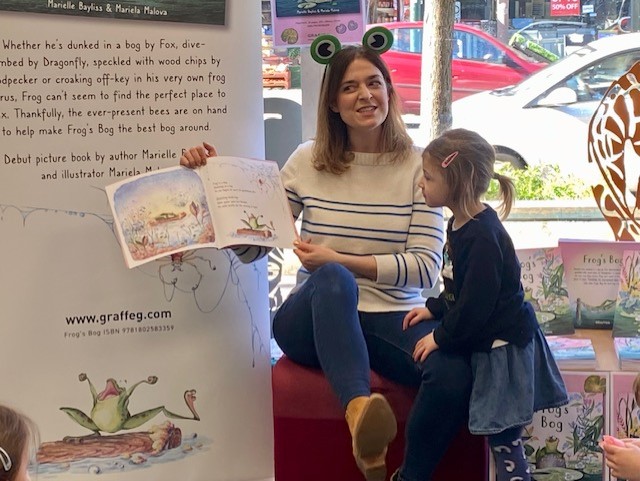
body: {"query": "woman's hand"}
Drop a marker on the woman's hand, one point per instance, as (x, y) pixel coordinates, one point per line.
(314, 256)
(424, 347)
(197, 156)
(415, 315)
(624, 461)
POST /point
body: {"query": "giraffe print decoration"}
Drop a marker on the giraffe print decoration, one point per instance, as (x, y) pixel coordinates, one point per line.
(614, 147)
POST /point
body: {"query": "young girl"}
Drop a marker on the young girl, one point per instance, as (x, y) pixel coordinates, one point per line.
(482, 309)
(18, 440)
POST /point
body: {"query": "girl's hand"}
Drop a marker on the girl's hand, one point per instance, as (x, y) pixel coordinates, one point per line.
(624, 462)
(424, 347)
(197, 156)
(415, 315)
(313, 256)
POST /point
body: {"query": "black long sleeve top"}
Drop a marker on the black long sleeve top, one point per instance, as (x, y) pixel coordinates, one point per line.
(483, 298)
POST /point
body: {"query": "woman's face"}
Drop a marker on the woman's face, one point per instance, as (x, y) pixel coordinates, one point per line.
(363, 99)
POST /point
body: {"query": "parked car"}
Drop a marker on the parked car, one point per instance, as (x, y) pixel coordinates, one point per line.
(480, 62)
(545, 118)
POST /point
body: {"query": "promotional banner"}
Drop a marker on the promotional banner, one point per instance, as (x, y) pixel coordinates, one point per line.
(299, 23)
(162, 371)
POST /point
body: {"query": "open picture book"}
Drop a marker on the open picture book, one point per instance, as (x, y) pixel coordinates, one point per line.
(230, 201)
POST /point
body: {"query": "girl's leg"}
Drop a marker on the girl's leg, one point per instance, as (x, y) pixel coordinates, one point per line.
(318, 326)
(442, 404)
(508, 452)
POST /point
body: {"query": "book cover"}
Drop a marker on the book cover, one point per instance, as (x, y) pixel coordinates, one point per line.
(628, 351)
(625, 413)
(592, 270)
(229, 201)
(572, 353)
(626, 318)
(562, 443)
(545, 288)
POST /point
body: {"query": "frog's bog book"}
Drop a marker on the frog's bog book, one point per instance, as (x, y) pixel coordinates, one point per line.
(229, 201)
(592, 270)
(543, 281)
(625, 412)
(562, 443)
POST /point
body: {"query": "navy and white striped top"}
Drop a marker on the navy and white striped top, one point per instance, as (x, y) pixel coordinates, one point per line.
(374, 208)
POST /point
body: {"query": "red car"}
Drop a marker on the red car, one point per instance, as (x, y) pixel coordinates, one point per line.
(480, 62)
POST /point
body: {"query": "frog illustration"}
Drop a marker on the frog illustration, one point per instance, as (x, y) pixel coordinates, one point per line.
(253, 222)
(110, 412)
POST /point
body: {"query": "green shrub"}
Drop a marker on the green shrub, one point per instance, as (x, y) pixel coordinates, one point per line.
(541, 182)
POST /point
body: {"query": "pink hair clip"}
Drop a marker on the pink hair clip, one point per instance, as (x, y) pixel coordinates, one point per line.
(5, 459)
(449, 158)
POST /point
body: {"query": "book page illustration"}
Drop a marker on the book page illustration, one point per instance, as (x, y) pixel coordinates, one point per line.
(626, 319)
(250, 204)
(161, 213)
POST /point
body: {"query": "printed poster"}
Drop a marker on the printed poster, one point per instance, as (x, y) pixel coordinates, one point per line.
(159, 372)
(189, 11)
(297, 23)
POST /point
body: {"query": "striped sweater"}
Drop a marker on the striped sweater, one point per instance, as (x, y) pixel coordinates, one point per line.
(374, 208)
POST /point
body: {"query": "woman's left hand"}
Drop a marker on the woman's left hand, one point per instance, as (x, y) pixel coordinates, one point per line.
(313, 256)
(424, 347)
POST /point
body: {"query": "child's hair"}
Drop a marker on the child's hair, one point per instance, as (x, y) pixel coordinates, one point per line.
(331, 151)
(17, 434)
(467, 162)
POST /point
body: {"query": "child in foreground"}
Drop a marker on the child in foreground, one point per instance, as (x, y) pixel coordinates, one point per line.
(18, 441)
(482, 311)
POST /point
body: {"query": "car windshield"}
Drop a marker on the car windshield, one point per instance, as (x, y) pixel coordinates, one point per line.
(590, 80)
(565, 64)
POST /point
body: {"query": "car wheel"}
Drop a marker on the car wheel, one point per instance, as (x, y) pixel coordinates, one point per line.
(505, 155)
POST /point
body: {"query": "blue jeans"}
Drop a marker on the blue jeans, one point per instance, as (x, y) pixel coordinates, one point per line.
(319, 325)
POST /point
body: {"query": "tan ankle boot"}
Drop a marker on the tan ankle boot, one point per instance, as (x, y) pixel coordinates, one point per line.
(373, 426)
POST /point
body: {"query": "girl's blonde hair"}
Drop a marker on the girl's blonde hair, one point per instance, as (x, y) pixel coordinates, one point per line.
(332, 150)
(18, 433)
(469, 172)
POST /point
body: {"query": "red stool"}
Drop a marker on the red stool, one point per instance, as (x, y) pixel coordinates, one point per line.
(312, 440)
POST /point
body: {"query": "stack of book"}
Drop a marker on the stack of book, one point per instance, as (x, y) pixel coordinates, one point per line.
(572, 353)
(628, 351)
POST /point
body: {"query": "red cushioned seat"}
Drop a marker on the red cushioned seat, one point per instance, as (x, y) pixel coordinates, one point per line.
(312, 440)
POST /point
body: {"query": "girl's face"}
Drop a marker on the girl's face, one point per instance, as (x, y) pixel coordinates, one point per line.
(363, 100)
(433, 185)
(23, 473)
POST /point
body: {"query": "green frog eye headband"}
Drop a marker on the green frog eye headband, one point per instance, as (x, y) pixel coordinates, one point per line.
(325, 47)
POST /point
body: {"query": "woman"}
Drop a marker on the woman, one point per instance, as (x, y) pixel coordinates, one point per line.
(369, 246)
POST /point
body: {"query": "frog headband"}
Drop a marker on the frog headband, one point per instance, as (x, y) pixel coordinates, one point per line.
(325, 47)
(5, 460)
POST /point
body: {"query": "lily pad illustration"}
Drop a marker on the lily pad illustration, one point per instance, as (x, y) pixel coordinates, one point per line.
(556, 474)
(289, 35)
(545, 316)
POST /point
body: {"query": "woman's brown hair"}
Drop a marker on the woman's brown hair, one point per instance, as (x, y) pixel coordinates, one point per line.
(332, 150)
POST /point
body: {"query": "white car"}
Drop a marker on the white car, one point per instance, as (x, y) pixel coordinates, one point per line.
(544, 119)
